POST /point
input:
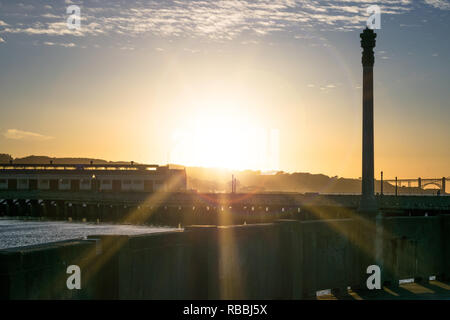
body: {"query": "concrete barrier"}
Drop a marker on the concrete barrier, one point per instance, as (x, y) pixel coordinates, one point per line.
(39, 272)
(288, 259)
(413, 248)
(445, 232)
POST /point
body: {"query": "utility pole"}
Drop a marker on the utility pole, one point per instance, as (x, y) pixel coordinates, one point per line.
(381, 183)
(368, 202)
(396, 188)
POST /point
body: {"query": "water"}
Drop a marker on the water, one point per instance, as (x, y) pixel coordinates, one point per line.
(18, 233)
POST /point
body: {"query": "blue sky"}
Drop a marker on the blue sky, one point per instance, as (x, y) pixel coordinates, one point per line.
(296, 64)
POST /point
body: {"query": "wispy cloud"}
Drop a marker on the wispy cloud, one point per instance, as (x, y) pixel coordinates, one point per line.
(439, 4)
(16, 134)
(213, 19)
(323, 88)
(56, 28)
(127, 48)
(66, 45)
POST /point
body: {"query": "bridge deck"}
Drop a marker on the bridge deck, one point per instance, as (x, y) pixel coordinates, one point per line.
(204, 199)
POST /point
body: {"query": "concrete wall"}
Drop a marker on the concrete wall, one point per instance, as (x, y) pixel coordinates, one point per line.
(414, 247)
(329, 256)
(43, 184)
(289, 259)
(155, 266)
(244, 262)
(22, 184)
(85, 184)
(445, 232)
(64, 184)
(39, 272)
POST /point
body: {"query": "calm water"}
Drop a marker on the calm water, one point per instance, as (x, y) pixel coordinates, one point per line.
(18, 233)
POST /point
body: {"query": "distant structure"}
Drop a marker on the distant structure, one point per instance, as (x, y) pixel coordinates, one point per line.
(92, 177)
(420, 183)
(368, 203)
(233, 184)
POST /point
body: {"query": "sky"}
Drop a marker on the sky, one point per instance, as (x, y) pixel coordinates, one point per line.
(263, 85)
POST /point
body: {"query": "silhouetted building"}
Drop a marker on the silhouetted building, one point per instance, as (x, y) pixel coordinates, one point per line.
(90, 177)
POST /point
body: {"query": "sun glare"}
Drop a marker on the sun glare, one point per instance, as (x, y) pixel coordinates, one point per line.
(225, 137)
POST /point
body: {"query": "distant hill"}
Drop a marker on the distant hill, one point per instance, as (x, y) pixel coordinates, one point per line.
(215, 180)
(219, 180)
(5, 158)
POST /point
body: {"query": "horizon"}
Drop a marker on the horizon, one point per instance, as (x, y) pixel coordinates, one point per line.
(234, 171)
(280, 91)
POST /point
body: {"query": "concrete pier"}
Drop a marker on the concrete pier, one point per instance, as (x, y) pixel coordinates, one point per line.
(287, 259)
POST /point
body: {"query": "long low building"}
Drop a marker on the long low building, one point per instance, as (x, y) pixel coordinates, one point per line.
(92, 177)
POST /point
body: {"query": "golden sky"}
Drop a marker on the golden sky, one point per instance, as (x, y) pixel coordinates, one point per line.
(282, 97)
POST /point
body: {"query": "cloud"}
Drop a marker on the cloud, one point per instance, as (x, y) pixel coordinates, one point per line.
(127, 48)
(16, 134)
(26, 6)
(191, 50)
(214, 19)
(50, 15)
(57, 28)
(66, 45)
(439, 4)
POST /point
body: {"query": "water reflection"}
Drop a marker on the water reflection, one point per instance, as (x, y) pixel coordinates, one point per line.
(18, 233)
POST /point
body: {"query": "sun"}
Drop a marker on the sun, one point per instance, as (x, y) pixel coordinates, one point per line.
(224, 137)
